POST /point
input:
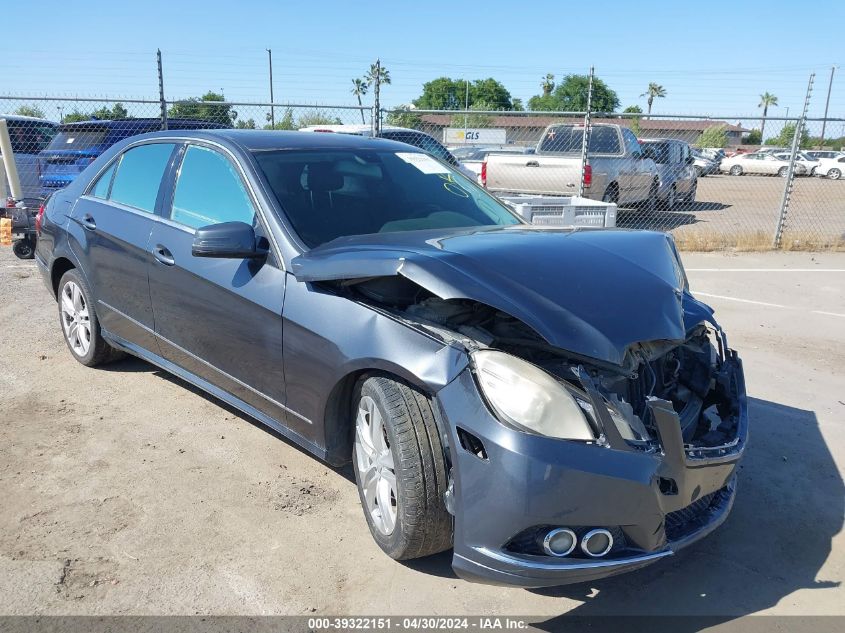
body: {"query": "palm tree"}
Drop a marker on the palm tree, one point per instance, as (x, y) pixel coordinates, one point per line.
(654, 90)
(766, 100)
(359, 89)
(548, 84)
(383, 74)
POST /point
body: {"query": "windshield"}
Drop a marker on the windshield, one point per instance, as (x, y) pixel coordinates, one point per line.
(78, 138)
(328, 194)
(569, 138)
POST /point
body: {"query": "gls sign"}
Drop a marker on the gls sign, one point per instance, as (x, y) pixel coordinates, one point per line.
(474, 136)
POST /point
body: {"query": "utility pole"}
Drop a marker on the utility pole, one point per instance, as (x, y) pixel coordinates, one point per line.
(272, 108)
(161, 91)
(466, 110)
(585, 140)
(376, 102)
(827, 104)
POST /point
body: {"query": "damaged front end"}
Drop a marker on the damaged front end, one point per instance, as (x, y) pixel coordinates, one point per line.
(636, 444)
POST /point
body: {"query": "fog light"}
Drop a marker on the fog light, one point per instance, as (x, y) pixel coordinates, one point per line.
(559, 542)
(596, 543)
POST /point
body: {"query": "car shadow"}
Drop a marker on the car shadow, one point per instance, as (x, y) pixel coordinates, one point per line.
(790, 504)
(653, 220)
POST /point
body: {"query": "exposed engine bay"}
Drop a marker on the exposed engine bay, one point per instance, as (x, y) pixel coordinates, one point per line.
(694, 375)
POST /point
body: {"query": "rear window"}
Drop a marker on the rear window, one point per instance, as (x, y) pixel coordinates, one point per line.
(568, 138)
(139, 175)
(658, 152)
(78, 138)
(30, 137)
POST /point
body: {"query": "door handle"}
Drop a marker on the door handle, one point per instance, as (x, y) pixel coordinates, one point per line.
(163, 255)
(532, 163)
(88, 222)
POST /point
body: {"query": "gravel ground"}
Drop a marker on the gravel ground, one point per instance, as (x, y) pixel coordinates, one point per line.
(125, 491)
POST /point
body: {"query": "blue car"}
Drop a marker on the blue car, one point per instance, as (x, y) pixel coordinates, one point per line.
(76, 145)
(376, 307)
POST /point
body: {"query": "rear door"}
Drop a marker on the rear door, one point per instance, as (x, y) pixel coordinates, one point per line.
(220, 319)
(111, 224)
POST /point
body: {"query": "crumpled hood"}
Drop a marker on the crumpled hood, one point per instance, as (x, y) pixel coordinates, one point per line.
(591, 292)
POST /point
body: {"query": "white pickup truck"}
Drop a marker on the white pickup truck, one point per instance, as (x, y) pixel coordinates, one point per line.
(617, 170)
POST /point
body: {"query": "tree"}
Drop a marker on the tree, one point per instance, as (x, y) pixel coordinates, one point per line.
(787, 135)
(194, 108)
(359, 89)
(30, 110)
(249, 124)
(516, 104)
(380, 71)
(404, 116)
(635, 120)
(75, 116)
(548, 84)
(117, 111)
(715, 136)
(445, 93)
(315, 117)
(633, 109)
(286, 123)
(754, 137)
(654, 91)
(766, 100)
(571, 96)
(474, 120)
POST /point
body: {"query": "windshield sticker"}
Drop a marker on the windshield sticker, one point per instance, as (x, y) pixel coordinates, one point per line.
(452, 186)
(425, 163)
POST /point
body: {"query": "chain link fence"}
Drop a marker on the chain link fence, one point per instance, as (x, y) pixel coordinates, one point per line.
(713, 181)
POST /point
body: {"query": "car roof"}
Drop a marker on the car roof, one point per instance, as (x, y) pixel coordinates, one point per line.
(355, 128)
(125, 124)
(266, 140)
(21, 117)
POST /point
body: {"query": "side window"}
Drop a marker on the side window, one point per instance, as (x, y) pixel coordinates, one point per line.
(139, 175)
(101, 188)
(209, 191)
(631, 141)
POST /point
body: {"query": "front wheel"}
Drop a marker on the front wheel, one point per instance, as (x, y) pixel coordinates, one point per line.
(783, 171)
(834, 174)
(400, 469)
(736, 170)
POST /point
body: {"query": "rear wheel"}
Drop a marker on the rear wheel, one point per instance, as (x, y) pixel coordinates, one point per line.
(79, 322)
(736, 170)
(611, 195)
(671, 199)
(400, 469)
(834, 174)
(783, 171)
(24, 249)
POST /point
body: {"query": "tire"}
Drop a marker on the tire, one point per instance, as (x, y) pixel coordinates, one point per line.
(71, 304)
(611, 195)
(394, 426)
(735, 170)
(653, 200)
(834, 174)
(24, 249)
(671, 199)
(699, 172)
(693, 192)
(783, 172)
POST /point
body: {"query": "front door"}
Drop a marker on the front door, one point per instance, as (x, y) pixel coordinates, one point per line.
(220, 319)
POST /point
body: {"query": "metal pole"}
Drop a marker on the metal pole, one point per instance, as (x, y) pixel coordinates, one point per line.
(272, 109)
(161, 92)
(9, 162)
(790, 172)
(466, 110)
(586, 137)
(376, 102)
(827, 104)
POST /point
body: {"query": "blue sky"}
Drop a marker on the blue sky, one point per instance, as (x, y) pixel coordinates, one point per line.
(712, 57)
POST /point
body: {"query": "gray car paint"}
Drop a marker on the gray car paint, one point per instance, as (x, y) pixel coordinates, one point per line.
(328, 341)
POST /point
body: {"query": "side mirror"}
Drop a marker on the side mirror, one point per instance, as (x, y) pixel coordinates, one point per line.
(229, 240)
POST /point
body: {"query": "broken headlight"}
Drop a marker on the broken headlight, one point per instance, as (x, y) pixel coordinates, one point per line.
(529, 399)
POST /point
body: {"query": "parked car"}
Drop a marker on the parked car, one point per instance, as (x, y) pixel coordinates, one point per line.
(758, 163)
(817, 154)
(675, 166)
(474, 158)
(374, 306)
(808, 164)
(410, 136)
(713, 153)
(77, 145)
(832, 168)
(617, 170)
(703, 166)
(29, 136)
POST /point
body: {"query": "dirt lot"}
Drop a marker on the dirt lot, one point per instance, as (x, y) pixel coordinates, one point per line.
(747, 207)
(126, 492)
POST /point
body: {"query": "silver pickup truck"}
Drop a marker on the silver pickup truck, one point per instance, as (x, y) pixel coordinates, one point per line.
(617, 169)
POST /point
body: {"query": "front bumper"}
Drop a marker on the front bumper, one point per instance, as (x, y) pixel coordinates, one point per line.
(658, 502)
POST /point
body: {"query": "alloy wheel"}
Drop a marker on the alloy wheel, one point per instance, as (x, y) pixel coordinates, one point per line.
(76, 321)
(834, 174)
(374, 461)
